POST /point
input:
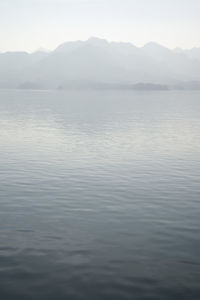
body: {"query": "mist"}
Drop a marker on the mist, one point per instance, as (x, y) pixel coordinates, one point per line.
(99, 150)
(99, 64)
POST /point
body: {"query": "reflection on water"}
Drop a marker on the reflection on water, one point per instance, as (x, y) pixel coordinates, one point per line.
(99, 195)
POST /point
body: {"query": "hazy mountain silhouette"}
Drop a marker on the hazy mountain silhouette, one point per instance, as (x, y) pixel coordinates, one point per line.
(193, 53)
(98, 63)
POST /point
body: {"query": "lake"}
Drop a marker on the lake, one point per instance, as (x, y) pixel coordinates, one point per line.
(99, 195)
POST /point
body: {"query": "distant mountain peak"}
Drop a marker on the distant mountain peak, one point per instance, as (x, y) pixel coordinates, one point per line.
(95, 38)
(97, 41)
(154, 45)
(99, 60)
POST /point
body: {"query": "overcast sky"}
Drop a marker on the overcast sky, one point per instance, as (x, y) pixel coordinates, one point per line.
(31, 24)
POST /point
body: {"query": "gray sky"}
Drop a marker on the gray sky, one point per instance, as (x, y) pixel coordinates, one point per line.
(31, 24)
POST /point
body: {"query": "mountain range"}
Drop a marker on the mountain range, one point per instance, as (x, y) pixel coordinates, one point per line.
(97, 63)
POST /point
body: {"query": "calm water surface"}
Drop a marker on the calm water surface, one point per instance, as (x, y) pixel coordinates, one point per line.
(99, 195)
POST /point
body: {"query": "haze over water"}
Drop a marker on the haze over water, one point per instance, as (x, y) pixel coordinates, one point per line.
(99, 195)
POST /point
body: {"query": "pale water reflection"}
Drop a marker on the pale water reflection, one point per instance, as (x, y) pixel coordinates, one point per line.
(99, 195)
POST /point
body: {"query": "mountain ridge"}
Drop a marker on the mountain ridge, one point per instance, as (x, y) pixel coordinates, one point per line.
(100, 61)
